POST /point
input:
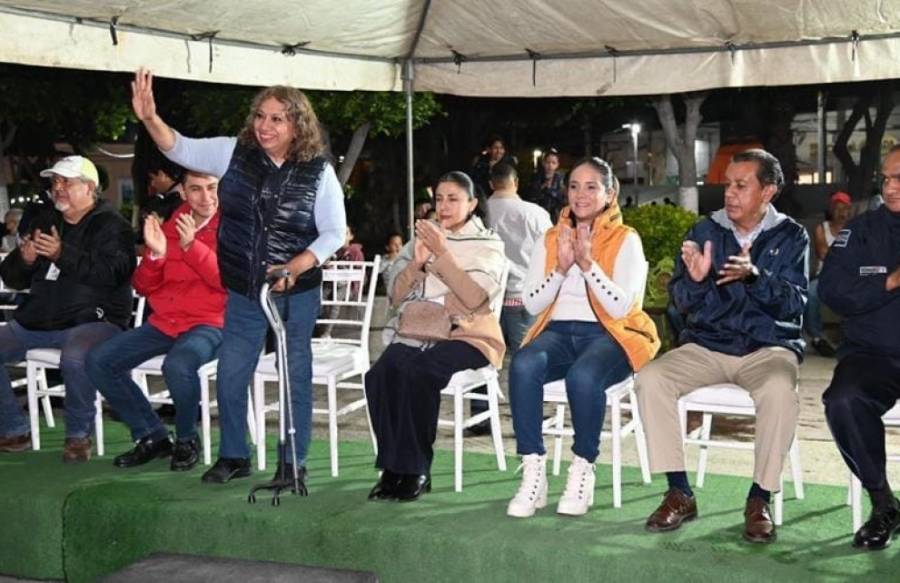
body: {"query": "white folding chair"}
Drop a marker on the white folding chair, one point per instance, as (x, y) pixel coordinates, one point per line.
(730, 399)
(854, 494)
(555, 392)
(37, 361)
(461, 387)
(206, 373)
(348, 287)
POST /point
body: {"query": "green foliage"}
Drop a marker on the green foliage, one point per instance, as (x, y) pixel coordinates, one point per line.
(222, 110)
(662, 229)
(386, 111)
(48, 105)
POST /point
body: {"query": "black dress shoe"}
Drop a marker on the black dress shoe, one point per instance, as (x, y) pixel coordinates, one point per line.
(876, 533)
(411, 486)
(144, 451)
(185, 456)
(227, 468)
(479, 429)
(385, 488)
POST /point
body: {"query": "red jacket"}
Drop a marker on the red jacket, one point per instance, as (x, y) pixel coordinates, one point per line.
(183, 287)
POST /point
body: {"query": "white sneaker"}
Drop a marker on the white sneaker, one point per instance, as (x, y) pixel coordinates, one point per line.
(532, 492)
(579, 493)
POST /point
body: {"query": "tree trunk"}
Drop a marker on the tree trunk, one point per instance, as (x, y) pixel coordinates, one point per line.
(859, 176)
(682, 146)
(353, 151)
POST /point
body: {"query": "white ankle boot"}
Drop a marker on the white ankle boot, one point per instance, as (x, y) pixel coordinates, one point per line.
(532, 492)
(579, 493)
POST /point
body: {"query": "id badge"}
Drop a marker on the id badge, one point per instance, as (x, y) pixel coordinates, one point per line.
(52, 272)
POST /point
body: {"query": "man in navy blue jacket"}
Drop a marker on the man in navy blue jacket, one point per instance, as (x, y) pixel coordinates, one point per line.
(740, 286)
(861, 281)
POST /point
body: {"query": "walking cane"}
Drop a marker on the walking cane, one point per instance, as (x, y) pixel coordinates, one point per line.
(286, 430)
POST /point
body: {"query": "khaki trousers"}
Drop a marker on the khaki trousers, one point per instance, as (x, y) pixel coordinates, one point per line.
(769, 375)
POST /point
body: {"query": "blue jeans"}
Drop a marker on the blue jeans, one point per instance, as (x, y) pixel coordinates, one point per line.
(589, 359)
(514, 322)
(74, 343)
(109, 366)
(243, 339)
(812, 315)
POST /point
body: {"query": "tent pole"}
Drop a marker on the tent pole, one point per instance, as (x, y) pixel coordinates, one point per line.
(410, 194)
(821, 137)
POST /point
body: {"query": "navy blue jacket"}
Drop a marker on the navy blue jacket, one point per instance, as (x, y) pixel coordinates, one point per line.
(853, 279)
(740, 318)
(267, 217)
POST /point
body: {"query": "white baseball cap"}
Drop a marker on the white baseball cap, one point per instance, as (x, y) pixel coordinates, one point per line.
(74, 167)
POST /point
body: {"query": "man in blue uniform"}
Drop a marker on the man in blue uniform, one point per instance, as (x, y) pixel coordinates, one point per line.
(861, 281)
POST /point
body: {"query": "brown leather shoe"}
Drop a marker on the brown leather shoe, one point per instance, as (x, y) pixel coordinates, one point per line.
(676, 507)
(14, 443)
(758, 525)
(77, 450)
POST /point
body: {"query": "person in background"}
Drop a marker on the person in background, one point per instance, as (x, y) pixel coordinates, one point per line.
(547, 186)
(11, 234)
(165, 180)
(840, 210)
(392, 246)
(493, 153)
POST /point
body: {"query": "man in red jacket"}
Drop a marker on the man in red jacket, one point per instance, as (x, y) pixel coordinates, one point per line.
(179, 275)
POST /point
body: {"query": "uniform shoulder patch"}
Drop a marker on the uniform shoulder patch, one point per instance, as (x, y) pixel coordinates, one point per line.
(842, 238)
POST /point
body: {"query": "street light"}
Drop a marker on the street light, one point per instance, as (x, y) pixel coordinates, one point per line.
(635, 132)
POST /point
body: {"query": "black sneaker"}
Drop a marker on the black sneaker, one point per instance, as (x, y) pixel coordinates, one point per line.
(185, 456)
(227, 468)
(144, 451)
(877, 532)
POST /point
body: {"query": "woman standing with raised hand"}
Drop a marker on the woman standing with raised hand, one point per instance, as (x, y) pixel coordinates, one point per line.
(585, 281)
(281, 207)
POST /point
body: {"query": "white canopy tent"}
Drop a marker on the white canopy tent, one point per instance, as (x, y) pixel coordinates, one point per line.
(500, 48)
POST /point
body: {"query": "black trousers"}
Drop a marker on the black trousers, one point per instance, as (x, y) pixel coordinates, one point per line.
(403, 390)
(864, 388)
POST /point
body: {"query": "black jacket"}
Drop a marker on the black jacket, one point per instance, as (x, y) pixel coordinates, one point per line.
(739, 318)
(94, 279)
(853, 279)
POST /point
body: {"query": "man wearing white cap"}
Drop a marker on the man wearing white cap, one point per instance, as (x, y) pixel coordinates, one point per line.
(77, 260)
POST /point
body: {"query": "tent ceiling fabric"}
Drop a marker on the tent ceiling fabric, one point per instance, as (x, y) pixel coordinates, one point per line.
(503, 47)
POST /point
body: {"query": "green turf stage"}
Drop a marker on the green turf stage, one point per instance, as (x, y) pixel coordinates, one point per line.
(81, 522)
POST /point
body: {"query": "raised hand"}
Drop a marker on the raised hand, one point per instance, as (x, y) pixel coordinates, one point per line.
(582, 247)
(698, 263)
(142, 100)
(737, 268)
(187, 229)
(49, 246)
(26, 248)
(432, 236)
(565, 249)
(421, 253)
(154, 238)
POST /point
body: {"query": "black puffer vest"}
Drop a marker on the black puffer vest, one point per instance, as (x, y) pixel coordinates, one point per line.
(266, 218)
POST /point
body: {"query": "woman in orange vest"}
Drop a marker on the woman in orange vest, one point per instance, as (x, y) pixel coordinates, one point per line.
(585, 282)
